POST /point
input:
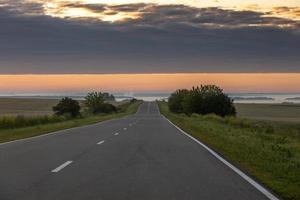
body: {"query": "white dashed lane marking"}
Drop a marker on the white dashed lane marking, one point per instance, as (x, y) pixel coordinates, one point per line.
(101, 142)
(62, 166)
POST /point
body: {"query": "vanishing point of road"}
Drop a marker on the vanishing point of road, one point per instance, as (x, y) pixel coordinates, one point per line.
(140, 157)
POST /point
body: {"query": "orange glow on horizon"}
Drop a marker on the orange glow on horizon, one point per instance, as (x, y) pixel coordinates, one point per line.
(230, 82)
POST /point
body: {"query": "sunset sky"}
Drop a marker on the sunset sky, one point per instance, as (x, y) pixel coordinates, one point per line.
(149, 45)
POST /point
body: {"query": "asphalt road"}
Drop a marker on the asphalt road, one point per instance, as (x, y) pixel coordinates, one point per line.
(135, 158)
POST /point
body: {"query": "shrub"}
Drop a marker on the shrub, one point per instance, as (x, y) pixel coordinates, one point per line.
(192, 102)
(107, 108)
(67, 106)
(176, 99)
(206, 99)
(133, 100)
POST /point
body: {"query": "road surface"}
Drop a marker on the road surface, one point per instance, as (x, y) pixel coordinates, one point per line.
(139, 157)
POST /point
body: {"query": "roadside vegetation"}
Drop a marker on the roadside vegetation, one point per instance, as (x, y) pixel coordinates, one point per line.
(96, 103)
(68, 113)
(201, 100)
(268, 151)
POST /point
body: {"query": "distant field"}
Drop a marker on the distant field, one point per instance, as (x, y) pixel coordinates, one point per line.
(270, 112)
(16, 106)
(9, 134)
(30, 106)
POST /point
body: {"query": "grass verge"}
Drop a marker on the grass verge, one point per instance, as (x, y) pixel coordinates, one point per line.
(7, 135)
(267, 151)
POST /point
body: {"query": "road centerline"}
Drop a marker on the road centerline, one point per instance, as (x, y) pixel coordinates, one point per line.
(59, 168)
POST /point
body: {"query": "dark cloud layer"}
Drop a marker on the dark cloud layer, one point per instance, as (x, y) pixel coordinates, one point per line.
(169, 38)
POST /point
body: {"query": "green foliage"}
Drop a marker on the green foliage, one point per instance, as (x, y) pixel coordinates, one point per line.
(107, 108)
(176, 99)
(205, 99)
(67, 106)
(268, 151)
(95, 102)
(133, 100)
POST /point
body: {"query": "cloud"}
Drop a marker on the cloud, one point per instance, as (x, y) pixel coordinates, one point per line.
(163, 38)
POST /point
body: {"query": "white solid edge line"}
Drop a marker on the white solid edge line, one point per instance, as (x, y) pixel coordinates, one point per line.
(61, 166)
(101, 142)
(235, 169)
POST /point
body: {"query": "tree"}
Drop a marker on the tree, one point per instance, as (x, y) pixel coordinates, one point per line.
(214, 100)
(176, 99)
(67, 106)
(202, 100)
(95, 102)
(192, 102)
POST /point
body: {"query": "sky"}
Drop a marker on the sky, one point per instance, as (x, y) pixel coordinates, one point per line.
(74, 83)
(150, 37)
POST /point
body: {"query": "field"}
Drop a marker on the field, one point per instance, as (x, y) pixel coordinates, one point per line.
(270, 112)
(268, 151)
(31, 106)
(48, 123)
(24, 106)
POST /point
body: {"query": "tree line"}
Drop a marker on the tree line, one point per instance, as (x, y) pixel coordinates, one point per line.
(95, 102)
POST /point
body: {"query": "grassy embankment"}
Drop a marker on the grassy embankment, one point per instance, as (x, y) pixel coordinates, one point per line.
(269, 151)
(48, 124)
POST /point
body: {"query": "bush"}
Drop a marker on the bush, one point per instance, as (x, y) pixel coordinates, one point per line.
(133, 100)
(176, 99)
(107, 108)
(95, 103)
(67, 106)
(206, 99)
(193, 102)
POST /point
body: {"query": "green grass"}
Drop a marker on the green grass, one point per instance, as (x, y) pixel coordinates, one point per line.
(20, 133)
(20, 121)
(268, 151)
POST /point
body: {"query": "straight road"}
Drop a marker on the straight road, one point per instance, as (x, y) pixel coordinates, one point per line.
(135, 158)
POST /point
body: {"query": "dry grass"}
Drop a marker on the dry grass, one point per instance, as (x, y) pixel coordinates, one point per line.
(16, 106)
(270, 112)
